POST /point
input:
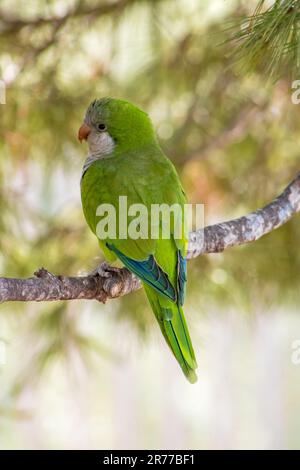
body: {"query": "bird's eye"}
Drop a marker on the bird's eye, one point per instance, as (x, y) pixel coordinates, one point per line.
(101, 127)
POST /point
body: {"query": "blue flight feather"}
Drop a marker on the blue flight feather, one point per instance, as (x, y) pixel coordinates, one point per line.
(149, 272)
(181, 276)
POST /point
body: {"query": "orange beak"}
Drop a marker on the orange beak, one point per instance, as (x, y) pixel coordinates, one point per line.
(84, 132)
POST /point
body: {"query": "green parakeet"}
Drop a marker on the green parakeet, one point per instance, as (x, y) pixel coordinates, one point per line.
(125, 159)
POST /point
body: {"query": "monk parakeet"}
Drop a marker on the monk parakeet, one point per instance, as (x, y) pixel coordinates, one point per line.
(125, 159)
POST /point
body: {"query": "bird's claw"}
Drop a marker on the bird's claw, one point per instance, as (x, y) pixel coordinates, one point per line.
(104, 270)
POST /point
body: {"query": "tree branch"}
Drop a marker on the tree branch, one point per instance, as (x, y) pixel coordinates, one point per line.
(118, 282)
(10, 24)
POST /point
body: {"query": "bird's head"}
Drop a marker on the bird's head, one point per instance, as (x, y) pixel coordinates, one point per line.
(111, 124)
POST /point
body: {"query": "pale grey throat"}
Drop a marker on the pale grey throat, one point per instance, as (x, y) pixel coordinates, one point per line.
(100, 144)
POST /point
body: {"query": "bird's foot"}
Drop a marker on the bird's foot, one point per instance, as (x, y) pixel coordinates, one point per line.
(104, 270)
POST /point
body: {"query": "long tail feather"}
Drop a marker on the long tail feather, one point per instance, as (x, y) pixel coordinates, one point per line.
(172, 323)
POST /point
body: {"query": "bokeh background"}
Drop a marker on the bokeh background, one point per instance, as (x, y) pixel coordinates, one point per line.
(86, 375)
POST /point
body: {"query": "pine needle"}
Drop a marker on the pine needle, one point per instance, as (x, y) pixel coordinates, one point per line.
(269, 38)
